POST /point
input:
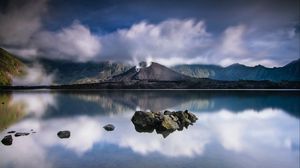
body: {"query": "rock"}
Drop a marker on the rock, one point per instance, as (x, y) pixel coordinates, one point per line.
(11, 132)
(64, 134)
(109, 127)
(21, 134)
(7, 140)
(2, 103)
(145, 121)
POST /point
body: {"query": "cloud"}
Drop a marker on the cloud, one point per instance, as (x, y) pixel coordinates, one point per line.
(20, 21)
(35, 75)
(75, 42)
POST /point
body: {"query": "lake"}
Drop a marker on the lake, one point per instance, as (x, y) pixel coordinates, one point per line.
(235, 129)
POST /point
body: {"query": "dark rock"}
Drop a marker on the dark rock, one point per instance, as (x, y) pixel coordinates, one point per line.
(109, 127)
(11, 132)
(21, 134)
(164, 123)
(7, 140)
(2, 103)
(64, 134)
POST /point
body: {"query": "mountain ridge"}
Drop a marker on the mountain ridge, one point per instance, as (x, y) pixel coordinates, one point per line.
(10, 66)
(235, 72)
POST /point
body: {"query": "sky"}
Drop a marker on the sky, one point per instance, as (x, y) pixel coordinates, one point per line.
(169, 32)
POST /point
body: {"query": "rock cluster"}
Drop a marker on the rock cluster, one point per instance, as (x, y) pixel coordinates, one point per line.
(163, 122)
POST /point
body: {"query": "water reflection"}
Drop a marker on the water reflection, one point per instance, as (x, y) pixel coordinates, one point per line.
(242, 129)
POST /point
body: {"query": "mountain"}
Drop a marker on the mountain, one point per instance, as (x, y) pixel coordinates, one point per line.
(10, 66)
(154, 72)
(68, 72)
(289, 72)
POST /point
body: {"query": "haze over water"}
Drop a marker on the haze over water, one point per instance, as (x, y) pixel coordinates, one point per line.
(242, 129)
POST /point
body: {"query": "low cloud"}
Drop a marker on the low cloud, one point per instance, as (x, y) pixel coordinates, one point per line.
(35, 75)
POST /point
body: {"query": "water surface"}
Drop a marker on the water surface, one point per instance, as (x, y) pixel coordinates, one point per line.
(242, 129)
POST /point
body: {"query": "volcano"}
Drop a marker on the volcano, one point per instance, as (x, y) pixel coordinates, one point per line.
(154, 72)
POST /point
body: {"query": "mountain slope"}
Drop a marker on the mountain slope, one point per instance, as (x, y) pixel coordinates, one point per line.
(10, 66)
(154, 72)
(67, 72)
(290, 72)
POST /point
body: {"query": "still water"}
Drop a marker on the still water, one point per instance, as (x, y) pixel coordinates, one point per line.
(242, 129)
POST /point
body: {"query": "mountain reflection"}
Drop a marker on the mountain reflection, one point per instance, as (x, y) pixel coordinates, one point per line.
(262, 126)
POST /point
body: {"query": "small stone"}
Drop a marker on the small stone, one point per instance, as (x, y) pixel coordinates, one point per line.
(21, 134)
(2, 103)
(64, 134)
(7, 140)
(33, 132)
(109, 127)
(11, 132)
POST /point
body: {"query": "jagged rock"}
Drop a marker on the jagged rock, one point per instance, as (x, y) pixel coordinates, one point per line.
(109, 127)
(21, 134)
(64, 134)
(164, 123)
(11, 132)
(7, 140)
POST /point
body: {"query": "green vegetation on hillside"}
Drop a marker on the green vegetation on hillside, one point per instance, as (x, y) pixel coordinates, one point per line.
(9, 66)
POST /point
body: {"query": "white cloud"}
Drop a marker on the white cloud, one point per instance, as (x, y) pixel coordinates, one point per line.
(166, 40)
(75, 42)
(232, 41)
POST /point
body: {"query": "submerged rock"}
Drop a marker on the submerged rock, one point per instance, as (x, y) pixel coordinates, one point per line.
(64, 134)
(21, 134)
(109, 127)
(164, 123)
(7, 140)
